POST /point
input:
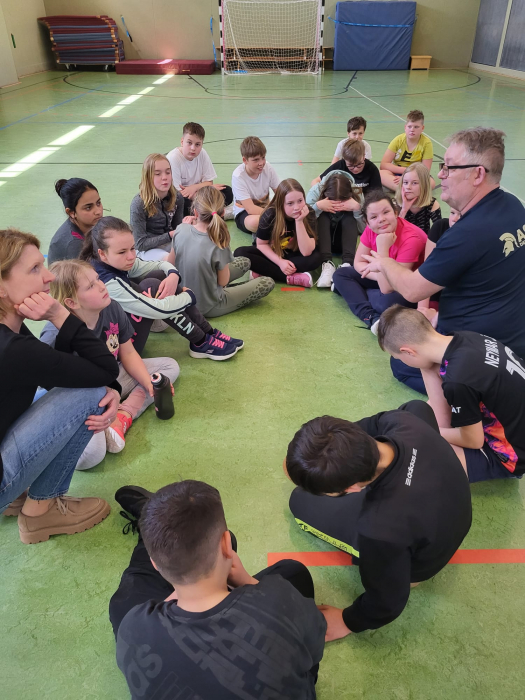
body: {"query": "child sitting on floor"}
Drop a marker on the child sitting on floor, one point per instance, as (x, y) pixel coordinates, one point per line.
(157, 210)
(211, 630)
(151, 290)
(353, 162)
(191, 168)
(411, 147)
(251, 183)
(338, 209)
(83, 207)
(206, 263)
(355, 129)
(414, 196)
(369, 294)
(79, 289)
(286, 241)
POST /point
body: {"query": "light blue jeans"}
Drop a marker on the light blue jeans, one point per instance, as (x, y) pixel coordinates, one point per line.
(42, 447)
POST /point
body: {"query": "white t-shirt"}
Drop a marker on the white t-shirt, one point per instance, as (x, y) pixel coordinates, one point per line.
(190, 172)
(339, 150)
(245, 187)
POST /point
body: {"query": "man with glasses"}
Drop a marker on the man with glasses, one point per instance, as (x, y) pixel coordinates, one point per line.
(364, 172)
(478, 263)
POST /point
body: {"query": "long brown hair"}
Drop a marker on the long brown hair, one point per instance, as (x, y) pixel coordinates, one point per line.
(208, 204)
(12, 244)
(338, 188)
(97, 238)
(147, 190)
(279, 224)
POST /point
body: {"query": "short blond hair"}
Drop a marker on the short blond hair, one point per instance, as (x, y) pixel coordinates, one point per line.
(425, 185)
(485, 145)
(12, 244)
(65, 284)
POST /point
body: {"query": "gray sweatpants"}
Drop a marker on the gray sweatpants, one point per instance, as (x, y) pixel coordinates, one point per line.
(238, 295)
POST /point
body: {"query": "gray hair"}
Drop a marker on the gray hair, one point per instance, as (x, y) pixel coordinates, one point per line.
(486, 146)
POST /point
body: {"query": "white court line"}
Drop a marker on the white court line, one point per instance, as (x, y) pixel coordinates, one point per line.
(430, 137)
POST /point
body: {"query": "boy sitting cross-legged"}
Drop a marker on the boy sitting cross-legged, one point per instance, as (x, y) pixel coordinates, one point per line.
(355, 129)
(251, 183)
(191, 622)
(476, 386)
(411, 147)
(191, 167)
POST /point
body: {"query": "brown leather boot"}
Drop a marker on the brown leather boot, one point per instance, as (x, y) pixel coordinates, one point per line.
(65, 516)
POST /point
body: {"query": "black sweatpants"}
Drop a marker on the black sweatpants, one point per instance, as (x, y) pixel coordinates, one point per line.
(227, 193)
(263, 266)
(337, 237)
(140, 582)
(190, 323)
(335, 519)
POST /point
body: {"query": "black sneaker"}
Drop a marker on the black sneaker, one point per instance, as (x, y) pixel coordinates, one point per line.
(213, 349)
(132, 499)
(227, 339)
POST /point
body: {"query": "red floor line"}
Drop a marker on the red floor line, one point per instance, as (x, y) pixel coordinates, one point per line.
(462, 556)
(292, 289)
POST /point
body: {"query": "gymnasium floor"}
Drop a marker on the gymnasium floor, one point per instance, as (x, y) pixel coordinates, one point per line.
(461, 635)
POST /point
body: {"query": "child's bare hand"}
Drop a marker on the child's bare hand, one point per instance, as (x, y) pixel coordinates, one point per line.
(303, 213)
(384, 242)
(287, 267)
(327, 205)
(168, 286)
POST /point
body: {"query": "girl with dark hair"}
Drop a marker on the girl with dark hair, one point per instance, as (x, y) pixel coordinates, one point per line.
(110, 249)
(337, 205)
(286, 241)
(83, 207)
(367, 293)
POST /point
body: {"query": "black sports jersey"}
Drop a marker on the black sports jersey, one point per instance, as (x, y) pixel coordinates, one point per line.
(483, 380)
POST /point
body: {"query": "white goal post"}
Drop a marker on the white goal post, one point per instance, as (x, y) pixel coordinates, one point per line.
(271, 36)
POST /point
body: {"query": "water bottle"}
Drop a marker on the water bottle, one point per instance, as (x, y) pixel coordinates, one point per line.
(162, 396)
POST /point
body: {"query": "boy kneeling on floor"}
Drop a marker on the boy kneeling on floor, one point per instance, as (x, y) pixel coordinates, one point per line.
(189, 619)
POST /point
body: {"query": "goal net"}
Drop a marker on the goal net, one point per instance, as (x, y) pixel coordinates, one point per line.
(271, 36)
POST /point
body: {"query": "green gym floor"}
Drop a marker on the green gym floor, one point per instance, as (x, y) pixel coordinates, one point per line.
(462, 634)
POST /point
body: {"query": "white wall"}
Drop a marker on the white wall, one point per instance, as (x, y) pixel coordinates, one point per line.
(8, 74)
(33, 47)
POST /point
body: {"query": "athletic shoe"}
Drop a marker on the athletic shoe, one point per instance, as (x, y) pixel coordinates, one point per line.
(226, 338)
(327, 272)
(375, 326)
(15, 507)
(158, 326)
(228, 212)
(65, 516)
(132, 499)
(300, 279)
(213, 349)
(115, 441)
(254, 275)
(332, 288)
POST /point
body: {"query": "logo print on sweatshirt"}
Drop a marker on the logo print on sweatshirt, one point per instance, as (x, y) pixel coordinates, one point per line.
(411, 466)
(112, 341)
(511, 242)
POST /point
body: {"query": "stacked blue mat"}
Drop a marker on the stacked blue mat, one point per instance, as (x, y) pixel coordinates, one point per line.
(373, 35)
(84, 39)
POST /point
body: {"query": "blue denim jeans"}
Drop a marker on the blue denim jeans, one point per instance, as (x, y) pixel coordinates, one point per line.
(42, 447)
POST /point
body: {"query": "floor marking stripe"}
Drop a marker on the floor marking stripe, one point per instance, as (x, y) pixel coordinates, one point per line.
(292, 289)
(462, 556)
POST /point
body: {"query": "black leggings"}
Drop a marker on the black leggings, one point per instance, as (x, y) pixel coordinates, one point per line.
(190, 323)
(227, 193)
(334, 519)
(337, 236)
(140, 582)
(262, 266)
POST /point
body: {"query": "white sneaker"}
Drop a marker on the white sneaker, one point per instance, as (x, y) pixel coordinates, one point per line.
(228, 212)
(158, 326)
(327, 272)
(345, 265)
(375, 326)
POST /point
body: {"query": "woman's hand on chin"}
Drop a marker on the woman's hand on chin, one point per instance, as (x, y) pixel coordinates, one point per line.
(42, 307)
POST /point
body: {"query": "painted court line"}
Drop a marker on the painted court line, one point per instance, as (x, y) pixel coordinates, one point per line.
(462, 556)
(426, 132)
(292, 289)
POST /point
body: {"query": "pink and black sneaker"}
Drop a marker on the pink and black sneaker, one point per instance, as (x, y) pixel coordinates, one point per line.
(213, 349)
(227, 339)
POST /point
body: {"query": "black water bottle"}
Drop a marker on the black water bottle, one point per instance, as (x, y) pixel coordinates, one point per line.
(162, 396)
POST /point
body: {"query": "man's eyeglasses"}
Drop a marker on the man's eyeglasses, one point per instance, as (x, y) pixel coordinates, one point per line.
(445, 169)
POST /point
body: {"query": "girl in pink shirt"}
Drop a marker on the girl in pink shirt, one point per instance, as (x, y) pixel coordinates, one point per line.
(368, 294)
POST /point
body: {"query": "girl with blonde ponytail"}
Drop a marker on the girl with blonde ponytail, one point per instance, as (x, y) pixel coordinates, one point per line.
(206, 263)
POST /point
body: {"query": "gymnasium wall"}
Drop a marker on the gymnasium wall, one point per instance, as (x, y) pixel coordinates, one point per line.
(180, 29)
(32, 52)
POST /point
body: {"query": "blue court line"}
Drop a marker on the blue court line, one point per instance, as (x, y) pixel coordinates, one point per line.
(58, 104)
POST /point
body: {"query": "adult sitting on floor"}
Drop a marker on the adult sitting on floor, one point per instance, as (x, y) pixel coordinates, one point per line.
(403, 509)
(478, 263)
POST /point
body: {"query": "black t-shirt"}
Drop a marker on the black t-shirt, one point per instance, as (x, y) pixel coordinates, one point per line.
(413, 519)
(480, 264)
(264, 231)
(368, 179)
(485, 381)
(261, 641)
(438, 229)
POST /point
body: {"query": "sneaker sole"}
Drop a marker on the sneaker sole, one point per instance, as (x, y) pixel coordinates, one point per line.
(144, 492)
(114, 443)
(218, 358)
(324, 286)
(46, 533)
